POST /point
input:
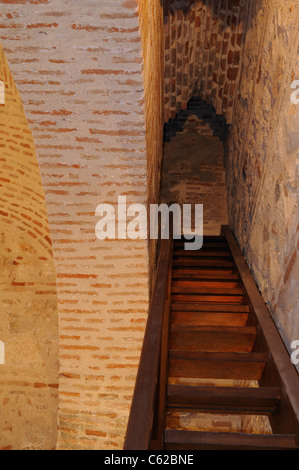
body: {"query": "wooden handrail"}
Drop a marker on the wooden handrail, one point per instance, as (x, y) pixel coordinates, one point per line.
(145, 415)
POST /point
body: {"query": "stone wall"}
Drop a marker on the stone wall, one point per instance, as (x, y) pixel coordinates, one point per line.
(262, 160)
(80, 74)
(28, 297)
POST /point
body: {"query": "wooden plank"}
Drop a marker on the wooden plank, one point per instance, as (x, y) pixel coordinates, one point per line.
(204, 262)
(190, 285)
(210, 318)
(206, 239)
(201, 254)
(201, 274)
(190, 364)
(192, 290)
(208, 307)
(160, 422)
(196, 440)
(219, 245)
(224, 299)
(212, 339)
(241, 400)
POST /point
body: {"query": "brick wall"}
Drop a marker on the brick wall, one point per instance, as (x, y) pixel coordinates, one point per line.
(203, 53)
(28, 297)
(79, 72)
(262, 160)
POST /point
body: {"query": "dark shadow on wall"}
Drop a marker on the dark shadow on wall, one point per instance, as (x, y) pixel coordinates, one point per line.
(205, 112)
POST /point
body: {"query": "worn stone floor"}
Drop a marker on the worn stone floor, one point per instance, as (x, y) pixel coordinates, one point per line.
(193, 173)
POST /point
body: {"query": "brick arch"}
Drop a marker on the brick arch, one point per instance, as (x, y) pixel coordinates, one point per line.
(28, 296)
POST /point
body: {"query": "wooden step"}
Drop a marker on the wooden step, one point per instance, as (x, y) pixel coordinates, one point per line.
(208, 307)
(249, 400)
(196, 440)
(204, 262)
(225, 290)
(206, 239)
(181, 253)
(212, 339)
(208, 245)
(204, 274)
(212, 298)
(209, 318)
(193, 285)
(192, 364)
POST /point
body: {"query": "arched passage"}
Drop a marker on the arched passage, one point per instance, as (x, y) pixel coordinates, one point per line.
(193, 162)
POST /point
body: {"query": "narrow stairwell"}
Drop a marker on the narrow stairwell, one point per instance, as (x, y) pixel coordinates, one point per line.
(214, 372)
(219, 353)
(213, 336)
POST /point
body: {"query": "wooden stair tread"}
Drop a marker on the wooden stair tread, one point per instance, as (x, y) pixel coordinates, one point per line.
(256, 400)
(202, 253)
(210, 297)
(215, 365)
(208, 291)
(185, 274)
(210, 245)
(193, 355)
(206, 239)
(212, 339)
(199, 263)
(219, 281)
(251, 330)
(202, 285)
(193, 440)
(198, 289)
(209, 318)
(208, 307)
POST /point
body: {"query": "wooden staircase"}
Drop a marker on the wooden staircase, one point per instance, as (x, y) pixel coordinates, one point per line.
(214, 331)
